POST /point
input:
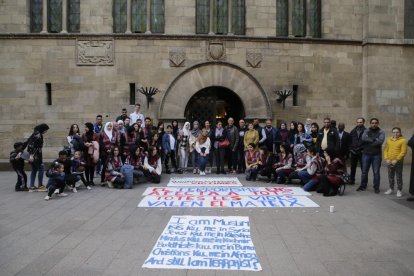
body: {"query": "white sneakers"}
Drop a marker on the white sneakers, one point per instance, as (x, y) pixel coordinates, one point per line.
(202, 173)
(74, 190)
(88, 187)
(63, 195)
(47, 198)
(390, 191)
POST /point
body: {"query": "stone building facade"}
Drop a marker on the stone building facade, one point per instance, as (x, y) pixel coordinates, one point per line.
(360, 64)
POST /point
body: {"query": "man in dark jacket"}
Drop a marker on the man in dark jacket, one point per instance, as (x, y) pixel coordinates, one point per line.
(231, 152)
(344, 143)
(356, 147)
(35, 147)
(241, 165)
(411, 145)
(372, 138)
(328, 138)
(272, 137)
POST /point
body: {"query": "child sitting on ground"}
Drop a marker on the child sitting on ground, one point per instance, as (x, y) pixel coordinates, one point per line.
(17, 163)
(56, 180)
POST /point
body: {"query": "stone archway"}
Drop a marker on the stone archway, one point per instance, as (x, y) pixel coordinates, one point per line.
(200, 76)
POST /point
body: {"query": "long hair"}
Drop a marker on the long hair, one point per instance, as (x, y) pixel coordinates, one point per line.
(152, 158)
(71, 131)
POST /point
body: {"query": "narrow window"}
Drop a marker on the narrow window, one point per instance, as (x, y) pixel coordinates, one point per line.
(132, 93)
(295, 95)
(409, 19)
(54, 16)
(36, 15)
(157, 16)
(299, 18)
(220, 24)
(202, 16)
(282, 18)
(119, 14)
(49, 93)
(238, 17)
(315, 18)
(73, 16)
(139, 16)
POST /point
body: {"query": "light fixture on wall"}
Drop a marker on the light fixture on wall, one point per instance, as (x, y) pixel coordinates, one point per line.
(149, 92)
(283, 95)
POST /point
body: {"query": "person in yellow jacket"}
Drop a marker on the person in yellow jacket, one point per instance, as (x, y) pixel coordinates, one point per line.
(250, 136)
(394, 152)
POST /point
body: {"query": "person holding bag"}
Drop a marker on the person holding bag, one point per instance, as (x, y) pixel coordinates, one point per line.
(220, 147)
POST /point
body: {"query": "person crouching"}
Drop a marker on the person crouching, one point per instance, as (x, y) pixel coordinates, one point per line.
(56, 180)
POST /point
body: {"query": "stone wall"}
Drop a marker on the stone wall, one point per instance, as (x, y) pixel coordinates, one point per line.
(14, 16)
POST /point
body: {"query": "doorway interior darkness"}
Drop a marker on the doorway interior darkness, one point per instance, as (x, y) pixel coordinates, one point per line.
(214, 103)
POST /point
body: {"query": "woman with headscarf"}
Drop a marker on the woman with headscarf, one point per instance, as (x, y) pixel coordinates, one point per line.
(195, 132)
(184, 148)
(203, 149)
(34, 147)
(107, 142)
(91, 152)
(284, 134)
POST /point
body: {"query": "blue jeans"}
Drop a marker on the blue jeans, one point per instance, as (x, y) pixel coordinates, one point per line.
(367, 161)
(306, 178)
(127, 171)
(202, 162)
(194, 158)
(39, 169)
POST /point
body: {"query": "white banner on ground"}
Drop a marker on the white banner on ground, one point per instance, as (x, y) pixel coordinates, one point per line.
(205, 242)
(227, 201)
(225, 191)
(203, 181)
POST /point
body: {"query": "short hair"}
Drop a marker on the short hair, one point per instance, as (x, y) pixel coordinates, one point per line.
(397, 128)
(372, 119)
(362, 118)
(327, 118)
(17, 145)
(147, 118)
(169, 126)
(63, 152)
(269, 119)
(124, 109)
(137, 104)
(98, 116)
(312, 149)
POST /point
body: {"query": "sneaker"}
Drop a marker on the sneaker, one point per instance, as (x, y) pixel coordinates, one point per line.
(389, 191)
(63, 195)
(33, 189)
(74, 190)
(88, 187)
(47, 198)
(399, 193)
(41, 189)
(56, 191)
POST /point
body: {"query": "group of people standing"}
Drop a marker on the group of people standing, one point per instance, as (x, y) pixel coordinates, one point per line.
(131, 149)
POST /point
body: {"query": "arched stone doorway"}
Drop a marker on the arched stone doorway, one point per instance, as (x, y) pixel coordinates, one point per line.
(214, 74)
(214, 103)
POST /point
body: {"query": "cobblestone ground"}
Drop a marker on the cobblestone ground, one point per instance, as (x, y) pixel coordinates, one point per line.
(102, 232)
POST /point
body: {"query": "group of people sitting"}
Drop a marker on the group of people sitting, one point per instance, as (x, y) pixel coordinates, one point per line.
(131, 150)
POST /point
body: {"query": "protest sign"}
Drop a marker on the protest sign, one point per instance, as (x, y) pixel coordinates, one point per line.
(203, 181)
(233, 201)
(205, 242)
(225, 191)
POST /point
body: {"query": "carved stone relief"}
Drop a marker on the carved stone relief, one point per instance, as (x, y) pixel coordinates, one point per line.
(254, 59)
(216, 50)
(177, 59)
(95, 52)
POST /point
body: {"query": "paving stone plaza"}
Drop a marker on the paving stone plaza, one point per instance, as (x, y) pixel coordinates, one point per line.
(102, 232)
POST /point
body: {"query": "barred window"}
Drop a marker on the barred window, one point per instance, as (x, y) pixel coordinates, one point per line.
(238, 17)
(138, 16)
(409, 19)
(120, 16)
(220, 22)
(157, 16)
(36, 15)
(54, 16)
(202, 16)
(73, 16)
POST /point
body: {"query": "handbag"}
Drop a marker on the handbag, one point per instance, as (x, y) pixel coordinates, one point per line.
(224, 144)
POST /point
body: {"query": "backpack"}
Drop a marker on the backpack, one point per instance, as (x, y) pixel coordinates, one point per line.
(77, 142)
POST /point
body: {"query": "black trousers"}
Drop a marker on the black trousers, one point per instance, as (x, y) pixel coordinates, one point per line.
(21, 179)
(89, 173)
(241, 164)
(355, 158)
(58, 185)
(220, 159)
(231, 158)
(170, 156)
(152, 177)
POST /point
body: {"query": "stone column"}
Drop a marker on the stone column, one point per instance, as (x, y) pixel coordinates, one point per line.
(128, 28)
(148, 31)
(230, 19)
(64, 17)
(211, 18)
(44, 17)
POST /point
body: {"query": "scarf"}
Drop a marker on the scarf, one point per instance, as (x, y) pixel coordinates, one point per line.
(108, 132)
(195, 132)
(202, 139)
(186, 129)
